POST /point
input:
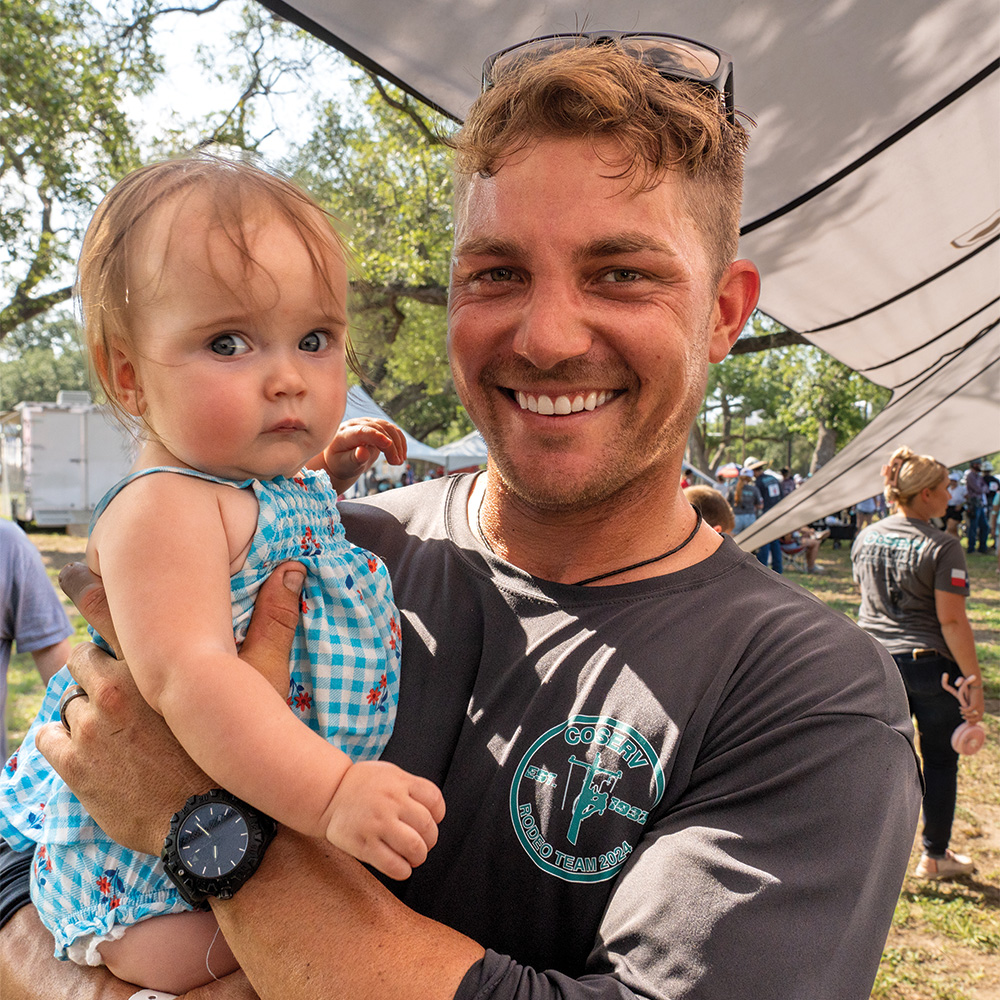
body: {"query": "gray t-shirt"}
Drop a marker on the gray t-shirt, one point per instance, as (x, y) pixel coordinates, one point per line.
(750, 499)
(30, 611)
(699, 785)
(899, 563)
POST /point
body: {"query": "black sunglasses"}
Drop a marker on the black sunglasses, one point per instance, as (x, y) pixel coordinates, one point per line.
(671, 56)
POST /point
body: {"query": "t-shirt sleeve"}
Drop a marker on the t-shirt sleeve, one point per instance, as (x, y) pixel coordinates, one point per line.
(950, 570)
(33, 615)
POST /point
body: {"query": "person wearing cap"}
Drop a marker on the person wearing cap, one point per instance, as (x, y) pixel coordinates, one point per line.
(977, 523)
(769, 488)
(992, 490)
(667, 773)
(956, 503)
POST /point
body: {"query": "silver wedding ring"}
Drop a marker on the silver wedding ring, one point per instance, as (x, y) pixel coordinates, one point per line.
(68, 695)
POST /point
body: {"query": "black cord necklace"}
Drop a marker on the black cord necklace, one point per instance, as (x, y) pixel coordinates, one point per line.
(615, 572)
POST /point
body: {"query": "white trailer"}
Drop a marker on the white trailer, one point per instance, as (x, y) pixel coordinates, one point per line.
(58, 459)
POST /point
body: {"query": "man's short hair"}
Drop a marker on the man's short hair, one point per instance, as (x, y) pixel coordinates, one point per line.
(713, 505)
(603, 94)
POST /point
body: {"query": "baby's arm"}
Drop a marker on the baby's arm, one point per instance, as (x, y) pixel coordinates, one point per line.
(164, 549)
(355, 447)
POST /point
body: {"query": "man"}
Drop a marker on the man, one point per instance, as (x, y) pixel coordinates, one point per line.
(788, 482)
(667, 773)
(977, 530)
(31, 613)
(992, 488)
(957, 494)
(770, 492)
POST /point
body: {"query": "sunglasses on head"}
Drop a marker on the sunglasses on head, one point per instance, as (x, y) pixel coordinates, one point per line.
(673, 57)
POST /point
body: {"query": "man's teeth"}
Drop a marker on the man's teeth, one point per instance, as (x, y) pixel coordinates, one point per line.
(562, 405)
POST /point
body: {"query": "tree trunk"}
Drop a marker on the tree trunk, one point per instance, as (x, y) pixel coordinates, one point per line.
(697, 454)
(826, 447)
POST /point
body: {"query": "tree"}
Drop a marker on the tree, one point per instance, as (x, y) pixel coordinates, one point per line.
(39, 358)
(63, 135)
(792, 405)
(380, 166)
(66, 69)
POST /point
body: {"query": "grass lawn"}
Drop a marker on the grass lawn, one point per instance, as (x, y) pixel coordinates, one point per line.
(945, 938)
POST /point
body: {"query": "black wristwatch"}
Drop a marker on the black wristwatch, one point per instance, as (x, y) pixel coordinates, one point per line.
(216, 842)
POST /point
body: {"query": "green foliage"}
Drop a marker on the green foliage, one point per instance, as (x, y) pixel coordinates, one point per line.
(782, 405)
(372, 165)
(69, 70)
(38, 359)
(63, 134)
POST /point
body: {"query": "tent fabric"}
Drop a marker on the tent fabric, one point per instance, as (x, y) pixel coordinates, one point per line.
(872, 195)
(466, 451)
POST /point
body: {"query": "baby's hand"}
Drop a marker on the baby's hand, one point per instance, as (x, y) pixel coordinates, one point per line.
(385, 817)
(355, 447)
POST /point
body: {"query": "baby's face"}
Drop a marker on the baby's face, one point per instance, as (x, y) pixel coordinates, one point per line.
(239, 366)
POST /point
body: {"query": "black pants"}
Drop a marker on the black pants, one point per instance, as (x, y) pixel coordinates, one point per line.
(938, 715)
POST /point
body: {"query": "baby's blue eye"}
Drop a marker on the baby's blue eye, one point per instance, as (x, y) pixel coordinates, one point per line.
(229, 345)
(315, 340)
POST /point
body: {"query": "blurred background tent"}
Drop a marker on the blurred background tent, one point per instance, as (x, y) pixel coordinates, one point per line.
(872, 202)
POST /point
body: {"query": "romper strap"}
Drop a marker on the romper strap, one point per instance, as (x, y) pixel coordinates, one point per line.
(132, 477)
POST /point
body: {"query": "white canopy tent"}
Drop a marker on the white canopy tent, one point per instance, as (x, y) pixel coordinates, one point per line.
(872, 200)
(466, 451)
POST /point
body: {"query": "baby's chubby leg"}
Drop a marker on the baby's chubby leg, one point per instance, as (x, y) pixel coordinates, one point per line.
(175, 953)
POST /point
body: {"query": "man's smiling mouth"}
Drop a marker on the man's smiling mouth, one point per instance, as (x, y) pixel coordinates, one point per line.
(564, 404)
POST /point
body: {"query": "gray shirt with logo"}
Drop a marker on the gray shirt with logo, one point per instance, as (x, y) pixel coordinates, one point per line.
(653, 790)
(898, 564)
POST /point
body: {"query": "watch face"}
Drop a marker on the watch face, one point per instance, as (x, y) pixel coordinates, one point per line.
(212, 840)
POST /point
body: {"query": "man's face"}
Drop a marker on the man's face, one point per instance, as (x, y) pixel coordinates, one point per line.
(582, 318)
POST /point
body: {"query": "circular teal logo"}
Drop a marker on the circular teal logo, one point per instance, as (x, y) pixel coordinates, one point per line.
(581, 796)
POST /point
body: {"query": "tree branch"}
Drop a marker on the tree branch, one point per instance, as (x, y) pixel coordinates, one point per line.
(22, 307)
(385, 296)
(407, 109)
(766, 342)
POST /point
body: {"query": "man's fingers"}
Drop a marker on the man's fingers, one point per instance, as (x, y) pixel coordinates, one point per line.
(53, 742)
(268, 644)
(95, 672)
(86, 591)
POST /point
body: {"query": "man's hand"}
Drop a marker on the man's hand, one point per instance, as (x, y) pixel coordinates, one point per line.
(119, 757)
(355, 447)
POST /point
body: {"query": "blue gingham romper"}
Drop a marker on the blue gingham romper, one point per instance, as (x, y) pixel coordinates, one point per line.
(344, 685)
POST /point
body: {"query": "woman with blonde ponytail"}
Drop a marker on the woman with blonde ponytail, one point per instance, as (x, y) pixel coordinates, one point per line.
(914, 583)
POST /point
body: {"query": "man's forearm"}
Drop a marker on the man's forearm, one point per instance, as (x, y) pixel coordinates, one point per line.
(313, 923)
(29, 972)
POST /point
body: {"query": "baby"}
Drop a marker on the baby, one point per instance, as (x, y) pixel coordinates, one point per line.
(213, 297)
